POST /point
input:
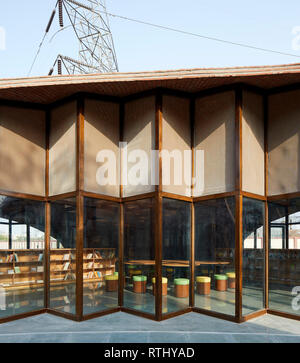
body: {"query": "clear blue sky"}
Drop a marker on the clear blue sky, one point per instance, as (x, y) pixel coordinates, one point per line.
(267, 24)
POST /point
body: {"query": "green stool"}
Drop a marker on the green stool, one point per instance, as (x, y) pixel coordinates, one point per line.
(139, 284)
(112, 282)
(221, 282)
(182, 287)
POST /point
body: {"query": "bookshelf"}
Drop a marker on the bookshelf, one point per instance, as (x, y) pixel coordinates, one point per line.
(19, 268)
(97, 263)
(62, 265)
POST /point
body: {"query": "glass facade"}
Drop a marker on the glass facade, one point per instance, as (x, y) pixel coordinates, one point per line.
(215, 255)
(63, 256)
(139, 255)
(253, 256)
(100, 255)
(284, 256)
(197, 206)
(22, 242)
(176, 245)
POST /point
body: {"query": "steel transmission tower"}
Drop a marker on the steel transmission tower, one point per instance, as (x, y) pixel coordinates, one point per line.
(91, 26)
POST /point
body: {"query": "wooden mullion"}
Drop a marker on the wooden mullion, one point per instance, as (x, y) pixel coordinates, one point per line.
(47, 215)
(121, 257)
(238, 205)
(238, 255)
(79, 206)
(192, 223)
(266, 226)
(158, 209)
(192, 258)
(47, 255)
(121, 220)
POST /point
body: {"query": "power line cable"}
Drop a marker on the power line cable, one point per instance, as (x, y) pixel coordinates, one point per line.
(201, 35)
(43, 39)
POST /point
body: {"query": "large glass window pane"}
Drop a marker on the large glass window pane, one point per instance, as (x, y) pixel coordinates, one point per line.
(284, 256)
(176, 255)
(253, 255)
(139, 255)
(21, 260)
(100, 255)
(63, 256)
(215, 255)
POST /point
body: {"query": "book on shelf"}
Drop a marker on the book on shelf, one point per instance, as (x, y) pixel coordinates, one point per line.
(17, 269)
(90, 275)
(66, 257)
(89, 256)
(90, 265)
(66, 266)
(41, 256)
(97, 255)
(40, 269)
(98, 274)
(10, 258)
(70, 276)
(66, 299)
(10, 272)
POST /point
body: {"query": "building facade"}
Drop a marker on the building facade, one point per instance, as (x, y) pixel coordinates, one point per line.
(153, 193)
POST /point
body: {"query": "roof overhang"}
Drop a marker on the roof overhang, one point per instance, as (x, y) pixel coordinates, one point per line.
(45, 90)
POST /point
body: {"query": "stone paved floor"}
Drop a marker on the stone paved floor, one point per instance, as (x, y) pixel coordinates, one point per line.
(122, 328)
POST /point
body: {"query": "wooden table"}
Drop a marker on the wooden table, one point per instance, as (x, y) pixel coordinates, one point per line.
(175, 263)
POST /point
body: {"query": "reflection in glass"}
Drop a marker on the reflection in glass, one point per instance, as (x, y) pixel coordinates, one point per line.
(139, 255)
(253, 255)
(22, 226)
(215, 255)
(63, 256)
(176, 255)
(284, 256)
(100, 255)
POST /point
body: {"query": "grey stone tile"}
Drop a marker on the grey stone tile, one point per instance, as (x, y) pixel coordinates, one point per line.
(51, 338)
(129, 337)
(251, 338)
(90, 338)
(161, 337)
(18, 338)
(209, 338)
(285, 339)
(122, 327)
